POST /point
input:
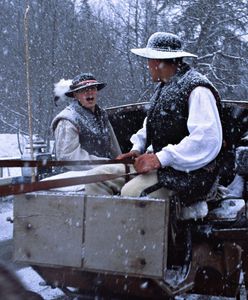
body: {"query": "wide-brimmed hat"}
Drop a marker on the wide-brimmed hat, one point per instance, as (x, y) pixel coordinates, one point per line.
(163, 45)
(83, 81)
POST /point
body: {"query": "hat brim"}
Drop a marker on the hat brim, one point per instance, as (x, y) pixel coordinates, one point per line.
(156, 54)
(99, 86)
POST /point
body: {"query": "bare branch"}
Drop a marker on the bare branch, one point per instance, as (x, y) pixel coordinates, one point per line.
(11, 110)
(10, 125)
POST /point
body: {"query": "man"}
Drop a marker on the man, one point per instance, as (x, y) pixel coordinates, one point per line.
(82, 130)
(182, 125)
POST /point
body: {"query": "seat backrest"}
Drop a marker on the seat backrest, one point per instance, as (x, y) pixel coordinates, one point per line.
(242, 160)
(235, 124)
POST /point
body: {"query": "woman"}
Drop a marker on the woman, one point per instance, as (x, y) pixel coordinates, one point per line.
(82, 130)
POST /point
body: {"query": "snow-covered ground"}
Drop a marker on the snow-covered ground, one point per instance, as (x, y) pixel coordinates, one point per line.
(9, 145)
(9, 148)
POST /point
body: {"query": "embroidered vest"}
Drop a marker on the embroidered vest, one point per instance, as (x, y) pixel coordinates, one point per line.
(167, 124)
(93, 129)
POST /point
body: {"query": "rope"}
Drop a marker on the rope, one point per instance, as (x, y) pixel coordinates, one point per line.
(28, 86)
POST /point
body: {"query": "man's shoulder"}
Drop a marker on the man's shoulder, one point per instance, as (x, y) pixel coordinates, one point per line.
(196, 75)
(194, 78)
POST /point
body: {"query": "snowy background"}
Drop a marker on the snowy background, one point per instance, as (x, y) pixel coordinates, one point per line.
(96, 36)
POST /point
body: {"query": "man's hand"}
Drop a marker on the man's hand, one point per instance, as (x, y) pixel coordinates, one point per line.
(146, 163)
(131, 154)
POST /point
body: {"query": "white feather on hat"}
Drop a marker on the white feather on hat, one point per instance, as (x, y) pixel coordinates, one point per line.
(61, 87)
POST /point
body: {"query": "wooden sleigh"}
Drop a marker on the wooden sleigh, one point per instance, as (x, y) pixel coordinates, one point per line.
(138, 247)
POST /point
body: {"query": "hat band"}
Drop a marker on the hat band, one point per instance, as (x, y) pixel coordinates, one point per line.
(85, 83)
(166, 49)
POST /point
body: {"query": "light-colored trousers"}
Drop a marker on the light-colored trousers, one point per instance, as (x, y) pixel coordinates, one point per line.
(132, 188)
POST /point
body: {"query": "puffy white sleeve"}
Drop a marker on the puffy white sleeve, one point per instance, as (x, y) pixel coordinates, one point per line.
(67, 145)
(204, 141)
(139, 139)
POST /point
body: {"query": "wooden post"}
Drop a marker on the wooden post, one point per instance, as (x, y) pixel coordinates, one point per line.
(28, 86)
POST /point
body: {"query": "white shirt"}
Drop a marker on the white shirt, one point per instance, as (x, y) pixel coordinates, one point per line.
(202, 144)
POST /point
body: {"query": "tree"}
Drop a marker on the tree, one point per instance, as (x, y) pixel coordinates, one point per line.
(69, 36)
(212, 29)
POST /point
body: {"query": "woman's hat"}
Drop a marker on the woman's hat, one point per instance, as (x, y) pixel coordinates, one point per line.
(163, 45)
(83, 81)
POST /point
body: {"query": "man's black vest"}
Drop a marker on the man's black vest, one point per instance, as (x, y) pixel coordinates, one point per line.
(167, 124)
(93, 128)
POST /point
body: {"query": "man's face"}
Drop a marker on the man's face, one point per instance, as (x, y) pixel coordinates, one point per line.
(161, 70)
(87, 97)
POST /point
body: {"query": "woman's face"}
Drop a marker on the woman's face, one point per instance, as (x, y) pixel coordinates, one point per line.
(87, 97)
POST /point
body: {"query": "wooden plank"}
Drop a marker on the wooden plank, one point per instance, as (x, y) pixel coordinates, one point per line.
(126, 235)
(48, 228)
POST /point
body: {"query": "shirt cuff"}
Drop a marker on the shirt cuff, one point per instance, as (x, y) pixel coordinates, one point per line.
(165, 158)
(136, 148)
